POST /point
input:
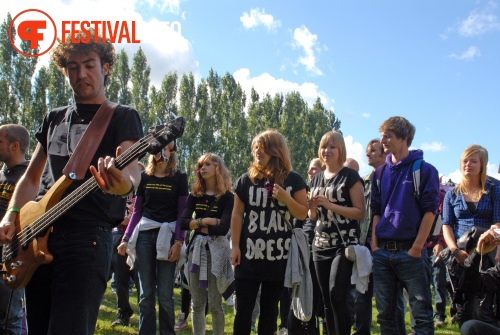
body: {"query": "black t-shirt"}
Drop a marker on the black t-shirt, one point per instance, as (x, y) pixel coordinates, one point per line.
(326, 238)
(161, 195)
(265, 237)
(208, 206)
(59, 134)
(8, 181)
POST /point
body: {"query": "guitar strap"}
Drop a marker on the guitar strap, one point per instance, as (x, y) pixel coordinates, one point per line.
(79, 161)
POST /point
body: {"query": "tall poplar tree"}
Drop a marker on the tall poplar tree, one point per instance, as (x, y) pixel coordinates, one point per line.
(140, 88)
(187, 108)
(8, 103)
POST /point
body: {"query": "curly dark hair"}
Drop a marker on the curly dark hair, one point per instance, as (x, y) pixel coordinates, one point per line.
(104, 49)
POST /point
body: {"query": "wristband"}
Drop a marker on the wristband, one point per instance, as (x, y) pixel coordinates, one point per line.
(198, 223)
(125, 239)
(454, 253)
(132, 189)
(13, 209)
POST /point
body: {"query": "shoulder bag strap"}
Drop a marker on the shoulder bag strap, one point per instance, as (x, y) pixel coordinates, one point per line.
(79, 162)
(290, 226)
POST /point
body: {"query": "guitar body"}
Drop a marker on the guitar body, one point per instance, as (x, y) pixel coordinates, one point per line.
(28, 253)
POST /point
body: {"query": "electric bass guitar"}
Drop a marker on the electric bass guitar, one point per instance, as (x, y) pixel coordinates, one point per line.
(28, 248)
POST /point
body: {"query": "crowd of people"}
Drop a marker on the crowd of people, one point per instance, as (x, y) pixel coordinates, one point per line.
(390, 235)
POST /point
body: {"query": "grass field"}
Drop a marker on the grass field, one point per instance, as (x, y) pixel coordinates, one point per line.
(107, 315)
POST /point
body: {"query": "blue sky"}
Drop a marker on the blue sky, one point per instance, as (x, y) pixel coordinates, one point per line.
(437, 63)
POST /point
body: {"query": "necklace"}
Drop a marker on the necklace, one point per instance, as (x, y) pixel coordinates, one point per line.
(330, 175)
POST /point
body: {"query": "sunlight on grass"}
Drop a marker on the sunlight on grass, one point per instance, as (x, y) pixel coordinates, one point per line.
(107, 314)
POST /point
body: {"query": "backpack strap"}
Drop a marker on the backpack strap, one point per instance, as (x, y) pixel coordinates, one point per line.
(417, 167)
(378, 176)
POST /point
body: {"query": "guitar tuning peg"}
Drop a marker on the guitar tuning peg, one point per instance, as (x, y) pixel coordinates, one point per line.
(10, 279)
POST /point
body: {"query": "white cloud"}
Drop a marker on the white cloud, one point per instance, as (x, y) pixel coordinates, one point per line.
(303, 38)
(479, 21)
(366, 115)
(467, 55)
(357, 151)
(259, 17)
(265, 83)
(456, 176)
(169, 6)
(433, 146)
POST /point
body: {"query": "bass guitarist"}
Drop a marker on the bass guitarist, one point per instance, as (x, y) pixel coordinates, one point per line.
(63, 296)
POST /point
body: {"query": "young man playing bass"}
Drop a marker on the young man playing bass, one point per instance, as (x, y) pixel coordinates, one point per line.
(63, 296)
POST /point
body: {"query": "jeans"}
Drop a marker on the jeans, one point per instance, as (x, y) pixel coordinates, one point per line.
(476, 327)
(14, 322)
(122, 274)
(391, 268)
(246, 293)
(439, 284)
(63, 297)
(155, 278)
(335, 284)
(199, 298)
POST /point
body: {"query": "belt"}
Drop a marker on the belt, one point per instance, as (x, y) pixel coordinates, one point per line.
(395, 245)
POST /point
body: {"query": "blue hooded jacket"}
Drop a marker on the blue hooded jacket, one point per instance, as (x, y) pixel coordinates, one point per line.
(400, 212)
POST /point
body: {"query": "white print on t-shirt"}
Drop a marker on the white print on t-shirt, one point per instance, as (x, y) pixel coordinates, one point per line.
(325, 240)
(257, 250)
(273, 246)
(332, 217)
(59, 143)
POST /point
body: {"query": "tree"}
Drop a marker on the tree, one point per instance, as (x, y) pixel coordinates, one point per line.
(8, 104)
(234, 143)
(292, 127)
(187, 108)
(40, 104)
(60, 93)
(140, 87)
(24, 69)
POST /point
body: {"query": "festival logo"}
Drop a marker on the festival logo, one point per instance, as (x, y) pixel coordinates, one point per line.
(38, 32)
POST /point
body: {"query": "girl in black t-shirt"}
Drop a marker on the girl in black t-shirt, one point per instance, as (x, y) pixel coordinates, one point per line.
(337, 203)
(209, 271)
(269, 191)
(155, 237)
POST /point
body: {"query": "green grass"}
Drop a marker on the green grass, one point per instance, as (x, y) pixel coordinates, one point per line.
(107, 315)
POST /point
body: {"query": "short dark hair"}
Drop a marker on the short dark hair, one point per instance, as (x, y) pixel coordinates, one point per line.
(372, 142)
(17, 133)
(104, 49)
(400, 126)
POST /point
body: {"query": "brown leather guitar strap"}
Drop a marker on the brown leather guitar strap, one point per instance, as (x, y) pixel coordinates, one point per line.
(79, 162)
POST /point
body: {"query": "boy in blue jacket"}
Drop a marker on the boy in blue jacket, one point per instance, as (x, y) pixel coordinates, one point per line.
(402, 219)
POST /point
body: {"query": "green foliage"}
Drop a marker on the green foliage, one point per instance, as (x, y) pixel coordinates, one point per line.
(140, 88)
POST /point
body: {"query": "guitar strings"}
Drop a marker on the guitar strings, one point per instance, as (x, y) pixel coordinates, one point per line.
(86, 188)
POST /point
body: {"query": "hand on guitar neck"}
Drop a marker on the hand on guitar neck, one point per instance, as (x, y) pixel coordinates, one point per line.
(113, 180)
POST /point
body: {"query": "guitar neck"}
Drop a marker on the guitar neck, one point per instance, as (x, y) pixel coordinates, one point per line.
(46, 220)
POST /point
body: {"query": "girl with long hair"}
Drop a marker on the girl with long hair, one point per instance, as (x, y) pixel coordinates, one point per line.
(153, 238)
(264, 196)
(337, 203)
(473, 202)
(209, 269)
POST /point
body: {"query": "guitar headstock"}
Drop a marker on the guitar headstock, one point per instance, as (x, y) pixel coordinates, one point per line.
(156, 138)
(165, 133)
